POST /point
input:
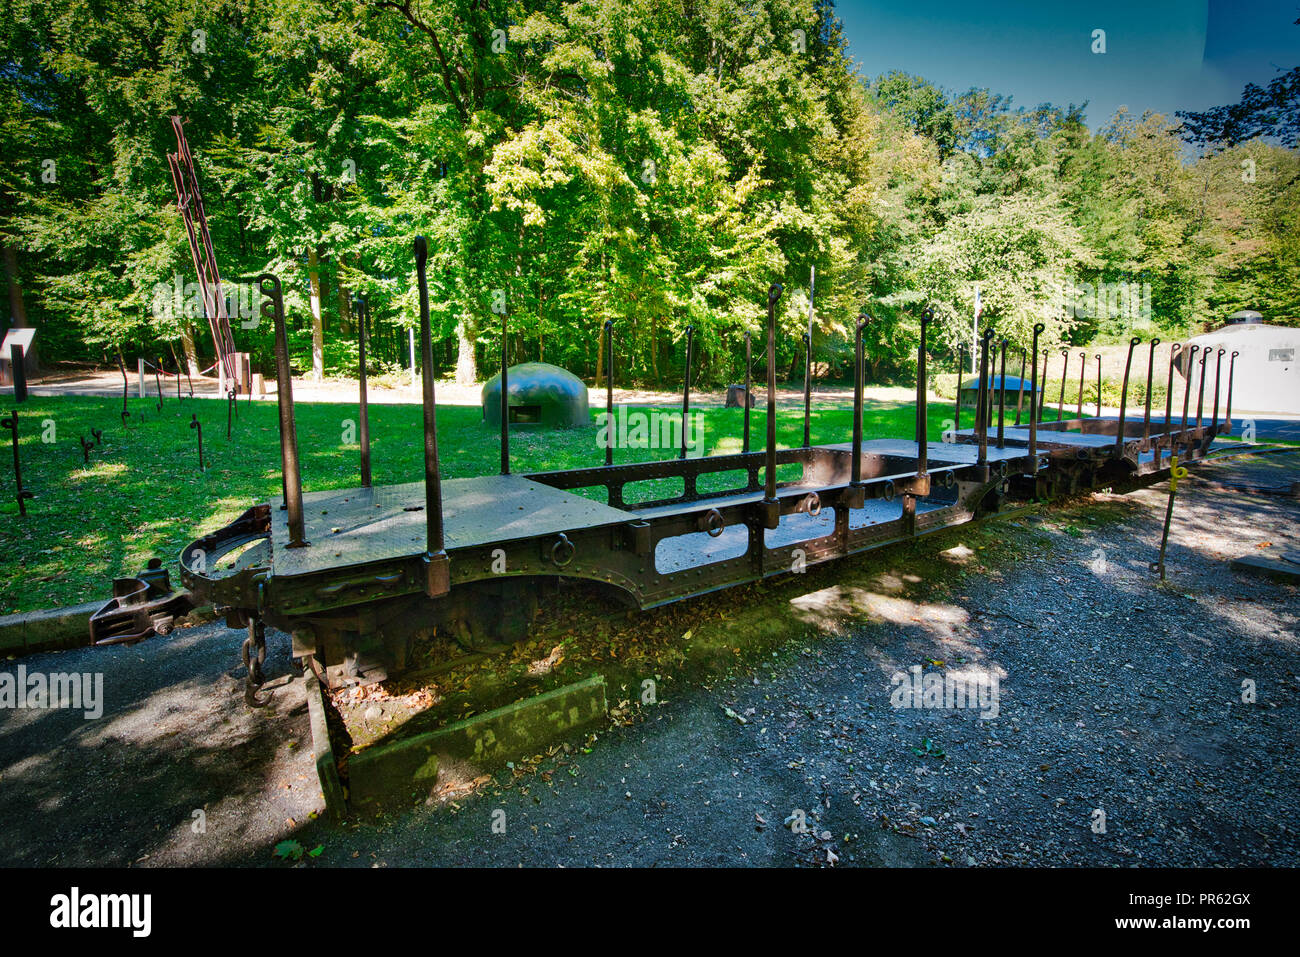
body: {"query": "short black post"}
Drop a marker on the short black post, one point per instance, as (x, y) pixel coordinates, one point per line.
(362, 311)
(609, 392)
(273, 308)
(85, 449)
(230, 409)
(99, 436)
(10, 422)
(157, 381)
(686, 390)
(126, 386)
(772, 508)
(196, 424)
(437, 567)
(807, 391)
(1123, 397)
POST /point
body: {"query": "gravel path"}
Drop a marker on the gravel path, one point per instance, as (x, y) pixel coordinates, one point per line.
(1115, 694)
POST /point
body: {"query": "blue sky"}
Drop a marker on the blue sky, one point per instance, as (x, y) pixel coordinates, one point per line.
(1161, 55)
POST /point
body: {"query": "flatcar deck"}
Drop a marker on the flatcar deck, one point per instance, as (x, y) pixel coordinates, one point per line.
(361, 525)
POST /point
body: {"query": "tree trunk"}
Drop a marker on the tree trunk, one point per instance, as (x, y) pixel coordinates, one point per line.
(317, 324)
(345, 305)
(466, 367)
(187, 345)
(17, 308)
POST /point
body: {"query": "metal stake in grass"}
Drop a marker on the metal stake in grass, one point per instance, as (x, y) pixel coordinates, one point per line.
(125, 388)
(10, 422)
(85, 449)
(1176, 472)
(195, 424)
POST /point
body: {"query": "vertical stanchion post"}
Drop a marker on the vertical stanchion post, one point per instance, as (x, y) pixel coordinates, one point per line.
(609, 391)
(139, 369)
(1227, 418)
(1065, 369)
(1002, 396)
(855, 468)
(437, 569)
(1123, 398)
(982, 397)
(1083, 377)
(922, 412)
(1042, 399)
(771, 507)
(1190, 354)
(961, 365)
(1020, 387)
(807, 389)
(1218, 368)
(1146, 415)
(362, 310)
(1169, 403)
(1034, 400)
(749, 400)
(289, 467)
(411, 341)
(1200, 392)
(686, 390)
(1098, 358)
(505, 395)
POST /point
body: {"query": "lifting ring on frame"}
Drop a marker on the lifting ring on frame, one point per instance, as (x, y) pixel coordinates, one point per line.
(812, 504)
(948, 481)
(888, 490)
(562, 544)
(713, 523)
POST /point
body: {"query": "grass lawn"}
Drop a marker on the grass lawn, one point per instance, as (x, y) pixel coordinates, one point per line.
(142, 495)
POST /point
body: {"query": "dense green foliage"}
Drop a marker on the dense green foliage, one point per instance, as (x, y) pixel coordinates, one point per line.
(653, 162)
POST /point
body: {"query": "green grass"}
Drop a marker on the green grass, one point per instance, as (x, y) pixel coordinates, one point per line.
(142, 495)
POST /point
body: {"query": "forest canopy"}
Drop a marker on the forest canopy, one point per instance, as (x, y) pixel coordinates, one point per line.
(657, 163)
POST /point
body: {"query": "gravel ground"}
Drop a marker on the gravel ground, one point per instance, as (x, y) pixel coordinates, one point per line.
(1115, 694)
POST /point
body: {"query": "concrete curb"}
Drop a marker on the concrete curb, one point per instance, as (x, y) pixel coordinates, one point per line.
(58, 629)
(327, 769)
(410, 765)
